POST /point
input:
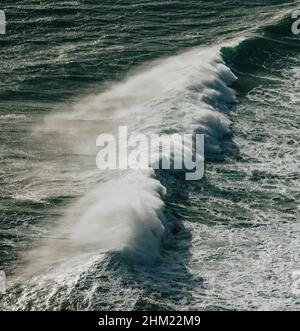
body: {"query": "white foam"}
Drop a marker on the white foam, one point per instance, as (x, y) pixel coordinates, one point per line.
(121, 215)
(12, 117)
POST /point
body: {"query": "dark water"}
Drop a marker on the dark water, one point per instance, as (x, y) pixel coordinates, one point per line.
(74, 238)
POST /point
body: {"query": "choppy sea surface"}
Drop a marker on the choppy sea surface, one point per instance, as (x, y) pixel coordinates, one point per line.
(73, 237)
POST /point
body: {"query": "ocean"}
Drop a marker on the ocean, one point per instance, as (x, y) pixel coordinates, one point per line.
(73, 237)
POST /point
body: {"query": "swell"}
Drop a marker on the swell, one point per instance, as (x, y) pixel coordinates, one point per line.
(268, 50)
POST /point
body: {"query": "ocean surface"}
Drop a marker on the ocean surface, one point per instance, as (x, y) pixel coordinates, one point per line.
(73, 237)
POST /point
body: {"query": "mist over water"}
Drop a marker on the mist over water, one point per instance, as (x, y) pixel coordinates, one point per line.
(74, 237)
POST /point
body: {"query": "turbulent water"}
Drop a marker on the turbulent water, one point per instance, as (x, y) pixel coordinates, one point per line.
(77, 238)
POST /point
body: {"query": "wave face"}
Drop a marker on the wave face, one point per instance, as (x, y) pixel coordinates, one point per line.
(86, 239)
